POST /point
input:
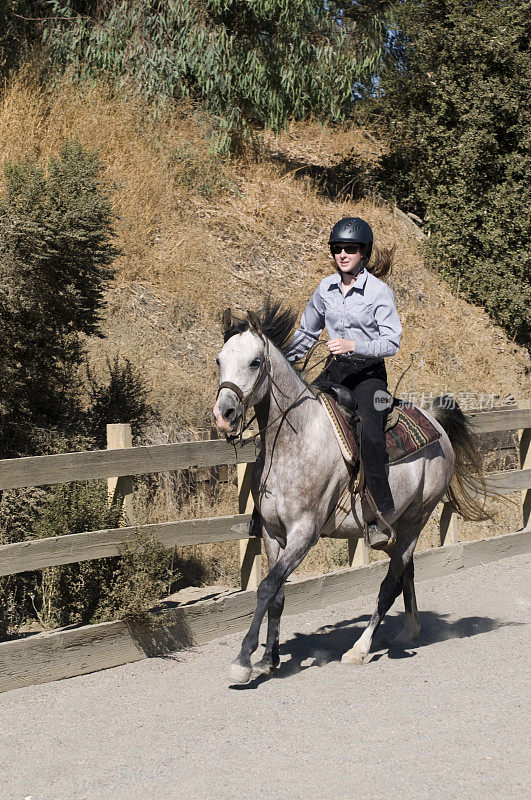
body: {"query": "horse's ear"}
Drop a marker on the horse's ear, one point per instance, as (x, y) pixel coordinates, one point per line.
(254, 322)
(227, 320)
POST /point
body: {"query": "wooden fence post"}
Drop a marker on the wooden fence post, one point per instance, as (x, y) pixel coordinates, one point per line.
(525, 463)
(120, 490)
(250, 549)
(358, 555)
(449, 525)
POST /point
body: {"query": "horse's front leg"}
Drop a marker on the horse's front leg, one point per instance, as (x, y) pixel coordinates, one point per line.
(299, 539)
(271, 658)
(411, 627)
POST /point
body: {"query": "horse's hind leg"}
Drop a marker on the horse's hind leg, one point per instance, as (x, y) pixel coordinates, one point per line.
(271, 658)
(391, 587)
(411, 627)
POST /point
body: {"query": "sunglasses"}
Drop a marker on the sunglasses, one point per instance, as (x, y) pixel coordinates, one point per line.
(349, 249)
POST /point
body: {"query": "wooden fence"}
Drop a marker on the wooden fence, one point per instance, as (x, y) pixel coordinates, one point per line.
(120, 462)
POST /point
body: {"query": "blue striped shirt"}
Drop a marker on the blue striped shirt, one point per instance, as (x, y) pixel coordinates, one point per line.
(365, 315)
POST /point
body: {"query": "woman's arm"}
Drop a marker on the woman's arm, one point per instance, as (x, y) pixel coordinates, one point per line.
(312, 324)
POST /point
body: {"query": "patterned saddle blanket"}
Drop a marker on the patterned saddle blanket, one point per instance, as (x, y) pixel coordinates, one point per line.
(408, 430)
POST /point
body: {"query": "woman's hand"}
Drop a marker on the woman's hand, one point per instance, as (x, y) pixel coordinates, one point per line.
(340, 346)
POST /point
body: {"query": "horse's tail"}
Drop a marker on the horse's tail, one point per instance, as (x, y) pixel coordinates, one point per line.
(468, 491)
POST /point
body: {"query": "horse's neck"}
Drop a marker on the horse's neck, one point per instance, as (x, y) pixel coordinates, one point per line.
(279, 411)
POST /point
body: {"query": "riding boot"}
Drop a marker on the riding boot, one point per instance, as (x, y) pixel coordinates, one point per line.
(251, 528)
(356, 394)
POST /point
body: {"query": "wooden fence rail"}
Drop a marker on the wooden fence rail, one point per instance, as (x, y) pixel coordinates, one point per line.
(17, 473)
(126, 462)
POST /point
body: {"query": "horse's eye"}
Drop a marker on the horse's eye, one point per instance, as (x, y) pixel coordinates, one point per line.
(255, 363)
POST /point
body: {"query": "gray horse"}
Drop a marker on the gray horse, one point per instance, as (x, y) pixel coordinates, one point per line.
(300, 475)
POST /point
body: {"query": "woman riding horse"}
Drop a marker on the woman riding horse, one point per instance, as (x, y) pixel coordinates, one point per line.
(300, 476)
(359, 313)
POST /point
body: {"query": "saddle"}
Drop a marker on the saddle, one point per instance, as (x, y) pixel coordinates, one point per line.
(407, 429)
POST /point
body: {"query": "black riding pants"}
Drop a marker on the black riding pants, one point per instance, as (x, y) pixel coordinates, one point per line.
(369, 388)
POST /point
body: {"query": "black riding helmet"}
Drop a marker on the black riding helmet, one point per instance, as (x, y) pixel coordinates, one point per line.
(353, 230)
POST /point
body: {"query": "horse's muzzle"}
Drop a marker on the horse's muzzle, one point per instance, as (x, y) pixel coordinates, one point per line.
(227, 414)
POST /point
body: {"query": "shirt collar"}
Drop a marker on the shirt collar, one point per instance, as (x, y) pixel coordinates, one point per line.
(357, 286)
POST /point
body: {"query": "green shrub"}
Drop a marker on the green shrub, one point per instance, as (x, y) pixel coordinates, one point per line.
(456, 99)
(145, 573)
(55, 261)
(121, 397)
(73, 593)
(89, 591)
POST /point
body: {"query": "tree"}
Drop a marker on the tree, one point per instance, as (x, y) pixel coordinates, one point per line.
(55, 261)
(252, 63)
(121, 397)
(18, 31)
(455, 94)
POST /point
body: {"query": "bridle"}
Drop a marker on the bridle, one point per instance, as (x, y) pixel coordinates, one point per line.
(244, 398)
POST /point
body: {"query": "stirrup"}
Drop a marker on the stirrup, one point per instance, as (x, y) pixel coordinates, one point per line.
(378, 540)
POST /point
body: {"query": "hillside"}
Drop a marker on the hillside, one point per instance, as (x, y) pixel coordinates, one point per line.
(199, 234)
(268, 234)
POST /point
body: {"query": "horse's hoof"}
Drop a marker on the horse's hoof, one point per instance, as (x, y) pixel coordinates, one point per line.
(264, 668)
(353, 659)
(239, 674)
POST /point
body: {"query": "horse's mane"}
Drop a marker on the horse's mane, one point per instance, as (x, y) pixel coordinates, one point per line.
(276, 320)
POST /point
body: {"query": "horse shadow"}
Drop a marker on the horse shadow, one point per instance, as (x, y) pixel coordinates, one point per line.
(330, 642)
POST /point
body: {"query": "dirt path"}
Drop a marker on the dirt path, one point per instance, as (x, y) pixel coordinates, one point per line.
(445, 719)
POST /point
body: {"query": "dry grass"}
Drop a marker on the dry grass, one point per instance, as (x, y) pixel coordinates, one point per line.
(316, 143)
(199, 234)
